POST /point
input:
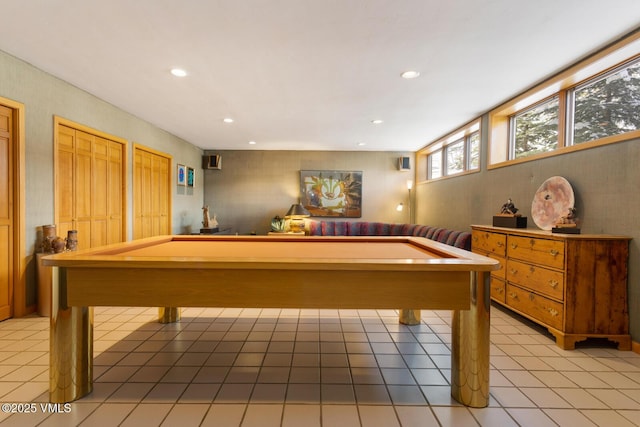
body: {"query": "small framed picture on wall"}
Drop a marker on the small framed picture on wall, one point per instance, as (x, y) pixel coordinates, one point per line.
(191, 177)
(182, 175)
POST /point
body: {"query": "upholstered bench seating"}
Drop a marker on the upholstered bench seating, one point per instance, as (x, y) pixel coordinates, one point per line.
(458, 239)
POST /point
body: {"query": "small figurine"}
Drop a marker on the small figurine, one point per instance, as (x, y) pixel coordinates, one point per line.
(568, 223)
(509, 208)
(205, 217)
(568, 220)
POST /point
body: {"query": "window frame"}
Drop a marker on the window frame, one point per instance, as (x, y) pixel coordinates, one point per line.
(597, 65)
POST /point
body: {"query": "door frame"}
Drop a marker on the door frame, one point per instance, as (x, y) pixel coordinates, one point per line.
(20, 258)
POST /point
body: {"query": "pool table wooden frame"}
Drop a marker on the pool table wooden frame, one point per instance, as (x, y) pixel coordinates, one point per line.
(271, 272)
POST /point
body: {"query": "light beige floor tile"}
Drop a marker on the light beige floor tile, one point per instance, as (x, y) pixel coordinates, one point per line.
(224, 415)
(186, 415)
(633, 394)
(454, 416)
(378, 416)
(416, 416)
(109, 414)
(580, 399)
(553, 379)
(532, 363)
(607, 418)
(269, 393)
(147, 414)
(570, 417)
(130, 393)
(521, 378)
(340, 416)
(511, 397)
(493, 417)
(614, 399)
(301, 415)
(617, 380)
(199, 393)
(531, 417)
(545, 397)
(585, 379)
(79, 412)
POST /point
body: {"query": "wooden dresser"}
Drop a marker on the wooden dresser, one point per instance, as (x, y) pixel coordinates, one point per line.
(573, 284)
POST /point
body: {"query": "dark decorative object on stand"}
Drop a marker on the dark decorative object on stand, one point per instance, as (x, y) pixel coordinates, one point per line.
(508, 217)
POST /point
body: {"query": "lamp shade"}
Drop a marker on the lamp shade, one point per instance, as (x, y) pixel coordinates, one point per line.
(297, 211)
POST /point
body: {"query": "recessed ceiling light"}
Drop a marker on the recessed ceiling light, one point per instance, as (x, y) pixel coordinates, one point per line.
(178, 72)
(252, 143)
(376, 121)
(411, 74)
(227, 120)
(361, 144)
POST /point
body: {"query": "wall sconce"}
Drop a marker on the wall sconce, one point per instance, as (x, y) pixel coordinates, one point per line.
(400, 207)
(296, 215)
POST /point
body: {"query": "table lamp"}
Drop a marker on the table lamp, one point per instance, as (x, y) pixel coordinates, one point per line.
(296, 215)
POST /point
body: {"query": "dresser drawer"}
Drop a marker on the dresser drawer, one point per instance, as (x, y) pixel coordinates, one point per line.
(538, 279)
(538, 307)
(538, 251)
(492, 243)
(497, 289)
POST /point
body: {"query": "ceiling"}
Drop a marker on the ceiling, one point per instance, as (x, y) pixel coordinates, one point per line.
(309, 74)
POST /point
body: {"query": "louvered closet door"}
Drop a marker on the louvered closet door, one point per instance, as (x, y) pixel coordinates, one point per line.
(152, 193)
(6, 212)
(89, 187)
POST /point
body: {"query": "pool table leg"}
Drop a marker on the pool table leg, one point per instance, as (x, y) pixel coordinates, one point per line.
(409, 316)
(470, 346)
(168, 314)
(70, 344)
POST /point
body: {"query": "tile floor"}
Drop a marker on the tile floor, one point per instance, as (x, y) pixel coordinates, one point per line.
(252, 367)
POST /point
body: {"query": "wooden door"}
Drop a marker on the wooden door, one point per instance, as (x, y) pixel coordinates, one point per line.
(65, 177)
(6, 212)
(151, 193)
(116, 191)
(100, 193)
(89, 185)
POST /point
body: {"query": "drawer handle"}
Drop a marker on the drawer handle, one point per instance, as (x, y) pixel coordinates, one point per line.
(553, 283)
(554, 252)
(532, 297)
(499, 244)
(512, 271)
(532, 269)
(514, 246)
(553, 312)
(532, 242)
(513, 295)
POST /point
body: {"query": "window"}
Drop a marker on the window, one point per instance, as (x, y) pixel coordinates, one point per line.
(455, 154)
(535, 130)
(455, 157)
(607, 106)
(435, 165)
(592, 103)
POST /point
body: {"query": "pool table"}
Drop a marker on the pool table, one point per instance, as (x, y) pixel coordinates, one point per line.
(407, 273)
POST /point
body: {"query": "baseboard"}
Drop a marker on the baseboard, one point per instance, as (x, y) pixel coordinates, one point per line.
(635, 347)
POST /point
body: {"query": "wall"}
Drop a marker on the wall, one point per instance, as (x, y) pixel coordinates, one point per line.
(605, 182)
(254, 186)
(45, 96)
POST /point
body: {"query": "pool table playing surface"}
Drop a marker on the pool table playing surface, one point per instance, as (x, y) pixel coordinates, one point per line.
(271, 272)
